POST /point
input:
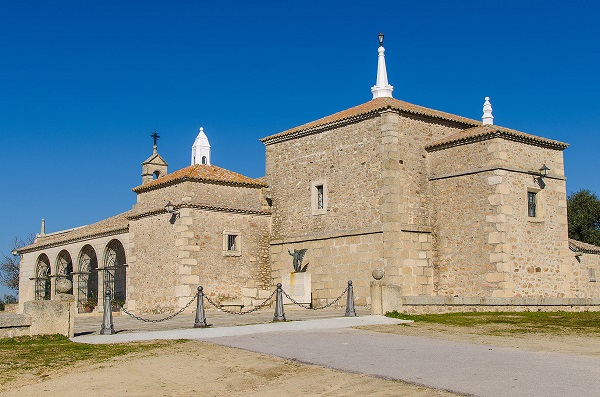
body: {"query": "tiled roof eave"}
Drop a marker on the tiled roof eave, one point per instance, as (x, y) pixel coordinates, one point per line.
(531, 140)
(159, 211)
(56, 243)
(170, 182)
(587, 249)
(312, 129)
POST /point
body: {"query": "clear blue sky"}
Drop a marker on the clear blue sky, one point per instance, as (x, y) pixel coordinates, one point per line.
(83, 85)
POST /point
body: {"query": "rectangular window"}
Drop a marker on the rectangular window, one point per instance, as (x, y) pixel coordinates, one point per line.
(592, 274)
(531, 204)
(319, 197)
(231, 242)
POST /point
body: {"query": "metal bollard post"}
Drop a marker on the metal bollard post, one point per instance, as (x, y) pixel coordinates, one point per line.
(350, 312)
(107, 319)
(200, 316)
(279, 314)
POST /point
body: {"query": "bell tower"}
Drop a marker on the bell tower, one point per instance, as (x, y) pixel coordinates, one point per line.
(155, 166)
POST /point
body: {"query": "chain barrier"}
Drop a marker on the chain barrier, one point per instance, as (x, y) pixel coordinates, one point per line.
(333, 302)
(146, 320)
(241, 312)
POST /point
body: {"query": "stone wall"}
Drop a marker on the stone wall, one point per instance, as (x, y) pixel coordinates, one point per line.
(202, 193)
(173, 254)
(332, 260)
(449, 304)
(347, 159)
(376, 177)
(587, 283)
(485, 242)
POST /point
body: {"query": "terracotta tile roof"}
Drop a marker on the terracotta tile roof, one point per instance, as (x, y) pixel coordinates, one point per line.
(200, 173)
(113, 225)
(366, 110)
(579, 246)
(484, 132)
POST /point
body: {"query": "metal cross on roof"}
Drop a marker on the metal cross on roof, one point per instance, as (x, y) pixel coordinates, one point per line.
(155, 136)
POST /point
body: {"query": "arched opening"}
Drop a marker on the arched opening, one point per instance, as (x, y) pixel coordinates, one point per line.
(42, 278)
(87, 286)
(114, 272)
(64, 268)
(204, 160)
(156, 175)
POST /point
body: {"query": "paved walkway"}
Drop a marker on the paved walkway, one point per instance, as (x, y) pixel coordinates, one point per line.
(467, 368)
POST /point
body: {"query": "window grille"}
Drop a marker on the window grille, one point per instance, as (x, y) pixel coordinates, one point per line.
(531, 203)
(319, 197)
(231, 242)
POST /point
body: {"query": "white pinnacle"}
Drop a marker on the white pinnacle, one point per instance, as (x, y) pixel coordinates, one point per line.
(488, 119)
(381, 89)
(201, 149)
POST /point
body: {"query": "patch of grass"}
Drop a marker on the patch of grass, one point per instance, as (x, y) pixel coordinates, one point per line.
(522, 322)
(39, 355)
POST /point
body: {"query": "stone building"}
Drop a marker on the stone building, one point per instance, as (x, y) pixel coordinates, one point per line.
(449, 207)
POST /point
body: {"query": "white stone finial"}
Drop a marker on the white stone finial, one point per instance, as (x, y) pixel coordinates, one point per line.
(201, 149)
(43, 228)
(488, 119)
(381, 89)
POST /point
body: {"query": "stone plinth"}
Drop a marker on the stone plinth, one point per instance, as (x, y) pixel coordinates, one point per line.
(298, 286)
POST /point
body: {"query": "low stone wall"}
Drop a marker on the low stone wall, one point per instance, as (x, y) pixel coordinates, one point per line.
(12, 325)
(449, 304)
(41, 317)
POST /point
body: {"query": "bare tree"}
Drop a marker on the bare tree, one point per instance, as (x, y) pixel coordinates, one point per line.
(9, 264)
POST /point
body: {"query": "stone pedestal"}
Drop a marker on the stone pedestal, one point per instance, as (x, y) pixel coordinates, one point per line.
(298, 286)
(385, 298)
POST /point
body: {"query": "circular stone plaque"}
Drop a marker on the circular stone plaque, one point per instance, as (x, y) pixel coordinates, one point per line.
(377, 274)
(63, 285)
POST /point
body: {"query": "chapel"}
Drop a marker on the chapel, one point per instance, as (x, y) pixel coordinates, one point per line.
(448, 207)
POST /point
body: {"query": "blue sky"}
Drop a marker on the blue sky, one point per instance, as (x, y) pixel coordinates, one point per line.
(83, 85)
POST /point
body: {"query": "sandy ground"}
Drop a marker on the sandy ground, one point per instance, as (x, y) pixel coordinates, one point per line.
(199, 368)
(584, 345)
(203, 368)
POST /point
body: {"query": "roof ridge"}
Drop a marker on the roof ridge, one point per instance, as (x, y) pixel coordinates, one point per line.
(201, 172)
(366, 110)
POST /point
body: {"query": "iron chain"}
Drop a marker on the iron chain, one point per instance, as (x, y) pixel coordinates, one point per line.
(241, 312)
(333, 302)
(161, 319)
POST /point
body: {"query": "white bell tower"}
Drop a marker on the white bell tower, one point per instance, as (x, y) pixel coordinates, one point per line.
(201, 149)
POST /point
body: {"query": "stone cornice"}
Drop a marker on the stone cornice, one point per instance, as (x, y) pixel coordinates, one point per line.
(158, 211)
(487, 169)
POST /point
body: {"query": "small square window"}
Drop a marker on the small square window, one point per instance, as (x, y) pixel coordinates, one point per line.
(232, 243)
(532, 204)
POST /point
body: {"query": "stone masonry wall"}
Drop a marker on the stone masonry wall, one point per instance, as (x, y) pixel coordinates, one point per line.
(332, 262)
(486, 243)
(209, 194)
(347, 159)
(406, 201)
(588, 285)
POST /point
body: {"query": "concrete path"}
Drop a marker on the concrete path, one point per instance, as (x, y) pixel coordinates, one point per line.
(253, 329)
(467, 368)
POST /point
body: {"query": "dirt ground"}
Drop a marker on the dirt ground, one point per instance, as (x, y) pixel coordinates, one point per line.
(203, 368)
(199, 368)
